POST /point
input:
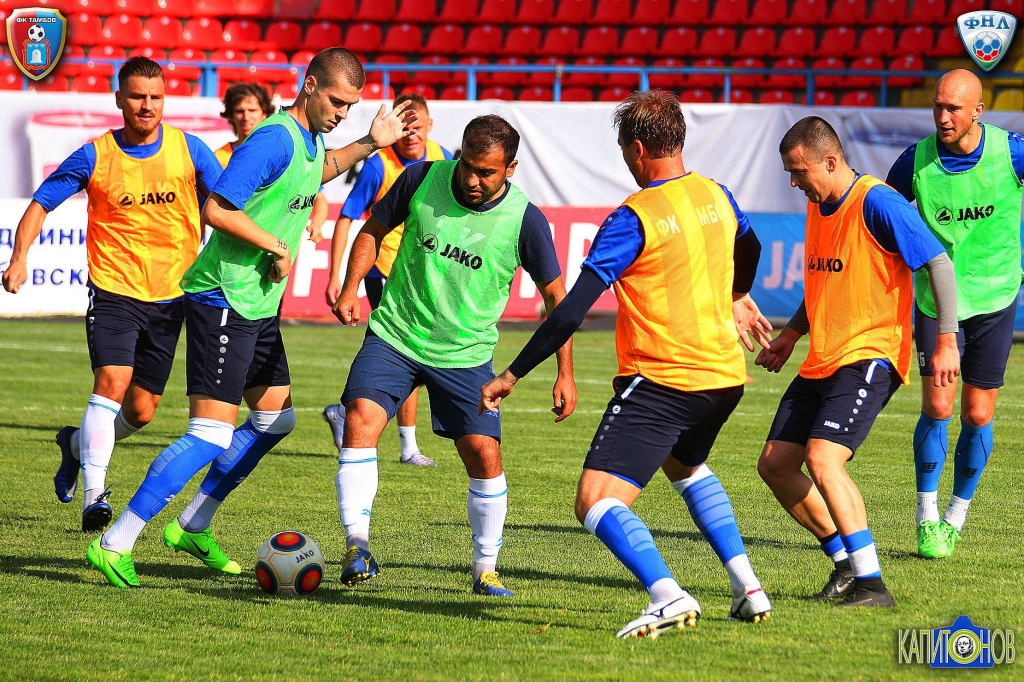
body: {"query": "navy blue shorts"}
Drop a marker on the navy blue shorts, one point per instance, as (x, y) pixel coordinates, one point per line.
(840, 408)
(646, 422)
(382, 374)
(227, 354)
(984, 342)
(129, 333)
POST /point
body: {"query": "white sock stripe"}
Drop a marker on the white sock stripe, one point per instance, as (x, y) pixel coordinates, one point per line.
(357, 455)
(598, 511)
(273, 421)
(864, 561)
(106, 404)
(699, 474)
(489, 487)
(632, 385)
(212, 431)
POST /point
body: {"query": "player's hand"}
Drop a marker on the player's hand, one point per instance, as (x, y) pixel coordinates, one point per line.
(945, 361)
(333, 291)
(749, 320)
(564, 397)
(492, 393)
(778, 351)
(282, 262)
(14, 276)
(346, 308)
(388, 128)
(316, 234)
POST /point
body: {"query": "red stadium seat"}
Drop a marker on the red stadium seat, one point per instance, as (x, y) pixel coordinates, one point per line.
(767, 13)
(639, 41)
(887, 13)
(397, 77)
(1014, 7)
(776, 97)
(183, 64)
(696, 96)
(740, 96)
(807, 13)
(483, 40)
(679, 42)
(173, 8)
(600, 41)
(651, 13)
(611, 12)
(453, 92)
(302, 58)
(536, 12)
(90, 83)
(865, 64)
(261, 9)
(202, 33)
(299, 10)
(546, 78)
(858, 98)
(434, 77)
(577, 94)
(729, 12)
(748, 80)
(877, 42)
(361, 38)
(795, 42)
(910, 63)
(64, 67)
(915, 40)
(828, 80)
(177, 86)
(462, 76)
(235, 65)
(287, 91)
(537, 93)
(756, 42)
(241, 34)
(927, 12)
(381, 11)
(497, 92)
(522, 41)
(157, 54)
(11, 80)
(85, 29)
(270, 58)
(958, 7)
(214, 8)
(689, 13)
(406, 38)
(509, 78)
(445, 39)
(625, 80)
(417, 11)
(786, 80)
(107, 53)
(335, 10)
(613, 94)
(847, 13)
(284, 35)
(667, 81)
(948, 44)
(496, 12)
(377, 91)
(101, 7)
(839, 41)
(425, 91)
(459, 12)
(706, 80)
(718, 42)
(589, 79)
(573, 11)
(50, 84)
(562, 41)
(161, 32)
(323, 35)
(824, 98)
(122, 30)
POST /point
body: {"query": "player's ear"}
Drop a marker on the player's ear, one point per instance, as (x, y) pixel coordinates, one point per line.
(309, 85)
(117, 99)
(511, 168)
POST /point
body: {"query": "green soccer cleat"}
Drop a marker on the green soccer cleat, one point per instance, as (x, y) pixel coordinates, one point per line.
(950, 535)
(200, 545)
(931, 544)
(117, 566)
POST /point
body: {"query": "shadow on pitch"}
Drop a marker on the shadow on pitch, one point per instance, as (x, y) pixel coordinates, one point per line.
(31, 427)
(65, 570)
(514, 574)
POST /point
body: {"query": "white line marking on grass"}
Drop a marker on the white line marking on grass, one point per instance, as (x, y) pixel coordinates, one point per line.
(52, 349)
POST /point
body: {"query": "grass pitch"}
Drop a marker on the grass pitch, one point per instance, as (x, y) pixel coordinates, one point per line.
(419, 620)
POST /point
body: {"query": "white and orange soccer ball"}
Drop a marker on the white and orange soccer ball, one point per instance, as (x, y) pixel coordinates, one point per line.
(289, 563)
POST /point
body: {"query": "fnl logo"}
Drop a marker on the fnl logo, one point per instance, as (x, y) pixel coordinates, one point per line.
(986, 36)
(36, 38)
(959, 645)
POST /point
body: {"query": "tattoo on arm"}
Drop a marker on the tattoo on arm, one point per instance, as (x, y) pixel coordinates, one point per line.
(336, 166)
(282, 245)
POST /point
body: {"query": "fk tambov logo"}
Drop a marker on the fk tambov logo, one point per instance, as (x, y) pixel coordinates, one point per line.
(986, 36)
(36, 39)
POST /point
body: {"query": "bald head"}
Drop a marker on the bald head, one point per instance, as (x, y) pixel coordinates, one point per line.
(961, 84)
(958, 107)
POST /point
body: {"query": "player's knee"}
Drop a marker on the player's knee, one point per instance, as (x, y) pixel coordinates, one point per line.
(581, 508)
(363, 419)
(820, 465)
(770, 469)
(937, 407)
(976, 416)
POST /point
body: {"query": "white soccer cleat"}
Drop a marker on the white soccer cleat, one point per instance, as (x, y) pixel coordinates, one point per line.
(334, 415)
(752, 607)
(680, 612)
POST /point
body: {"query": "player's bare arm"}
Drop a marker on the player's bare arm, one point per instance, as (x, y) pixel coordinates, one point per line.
(338, 243)
(364, 253)
(317, 218)
(386, 129)
(749, 320)
(222, 216)
(563, 393)
(29, 227)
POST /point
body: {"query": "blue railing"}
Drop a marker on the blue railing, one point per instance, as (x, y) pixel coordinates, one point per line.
(209, 79)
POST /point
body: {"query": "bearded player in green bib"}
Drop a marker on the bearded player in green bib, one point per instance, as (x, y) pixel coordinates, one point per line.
(966, 179)
(467, 230)
(258, 209)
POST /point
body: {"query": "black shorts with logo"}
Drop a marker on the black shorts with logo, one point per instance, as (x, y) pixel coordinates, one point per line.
(646, 422)
(123, 331)
(984, 342)
(840, 408)
(227, 354)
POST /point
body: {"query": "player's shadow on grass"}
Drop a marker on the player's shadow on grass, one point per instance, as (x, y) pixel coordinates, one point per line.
(527, 574)
(31, 427)
(62, 569)
(313, 455)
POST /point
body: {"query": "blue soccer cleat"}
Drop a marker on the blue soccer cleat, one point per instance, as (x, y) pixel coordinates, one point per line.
(489, 586)
(97, 515)
(65, 482)
(359, 566)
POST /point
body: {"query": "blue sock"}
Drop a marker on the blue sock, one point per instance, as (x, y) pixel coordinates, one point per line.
(248, 445)
(169, 473)
(972, 452)
(863, 555)
(712, 512)
(930, 446)
(834, 548)
(630, 541)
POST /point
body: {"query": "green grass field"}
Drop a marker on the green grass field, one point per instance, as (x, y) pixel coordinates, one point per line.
(59, 619)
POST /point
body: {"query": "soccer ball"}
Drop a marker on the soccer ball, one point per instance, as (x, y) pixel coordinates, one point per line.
(289, 563)
(987, 46)
(36, 33)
